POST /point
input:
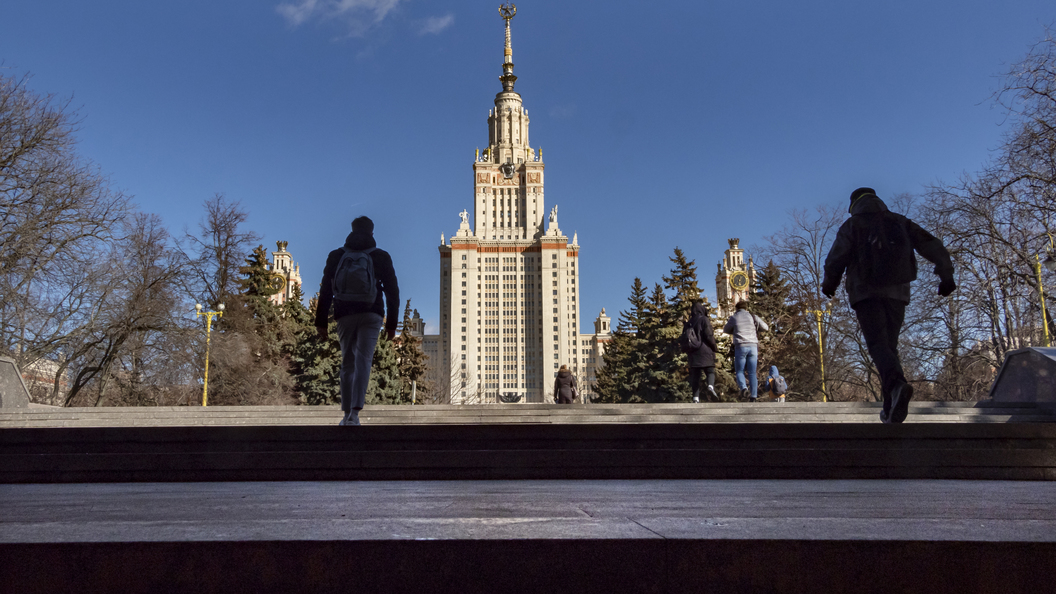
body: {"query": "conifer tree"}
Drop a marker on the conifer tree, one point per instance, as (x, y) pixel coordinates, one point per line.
(411, 359)
(665, 378)
(317, 363)
(250, 350)
(786, 345)
(624, 361)
(385, 385)
(682, 282)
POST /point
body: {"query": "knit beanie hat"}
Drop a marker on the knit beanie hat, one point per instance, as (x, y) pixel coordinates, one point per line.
(855, 195)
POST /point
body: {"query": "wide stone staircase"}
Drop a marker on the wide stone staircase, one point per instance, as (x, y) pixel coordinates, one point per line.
(499, 498)
(765, 441)
(763, 412)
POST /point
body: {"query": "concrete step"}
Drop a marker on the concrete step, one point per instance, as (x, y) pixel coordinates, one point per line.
(530, 536)
(1018, 451)
(767, 412)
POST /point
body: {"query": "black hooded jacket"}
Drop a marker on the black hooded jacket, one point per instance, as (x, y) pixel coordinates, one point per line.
(705, 355)
(564, 383)
(864, 212)
(383, 271)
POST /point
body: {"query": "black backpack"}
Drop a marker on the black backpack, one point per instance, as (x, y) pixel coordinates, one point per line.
(690, 340)
(885, 251)
(354, 279)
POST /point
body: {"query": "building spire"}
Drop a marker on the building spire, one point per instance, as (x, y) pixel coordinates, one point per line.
(507, 11)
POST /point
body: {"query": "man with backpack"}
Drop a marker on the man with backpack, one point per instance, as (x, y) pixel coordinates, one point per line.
(875, 246)
(354, 279)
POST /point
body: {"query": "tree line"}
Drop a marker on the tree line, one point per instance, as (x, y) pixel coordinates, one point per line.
(997, 223)
(96, 296)
(97, 293)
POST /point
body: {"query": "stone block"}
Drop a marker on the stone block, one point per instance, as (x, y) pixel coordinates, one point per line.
(1027, 375)
(13, 392)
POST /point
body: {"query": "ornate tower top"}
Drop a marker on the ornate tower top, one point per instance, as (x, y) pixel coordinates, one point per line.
(507, 11)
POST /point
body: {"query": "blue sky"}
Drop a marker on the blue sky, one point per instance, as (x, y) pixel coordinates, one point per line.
(662, 124)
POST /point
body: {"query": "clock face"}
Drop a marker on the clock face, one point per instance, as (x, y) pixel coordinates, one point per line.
(507, 170)
(277, 282)
(739, 281)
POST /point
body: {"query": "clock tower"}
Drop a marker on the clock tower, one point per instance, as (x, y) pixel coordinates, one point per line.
(734, 279)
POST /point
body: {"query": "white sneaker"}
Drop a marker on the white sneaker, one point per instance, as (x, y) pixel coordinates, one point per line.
(714, 396)
(696, 400)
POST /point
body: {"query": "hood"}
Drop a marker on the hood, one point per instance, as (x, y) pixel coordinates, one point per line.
(869, 203)
(564, 373)
(698, 311)
(360, 241)
(773, 371)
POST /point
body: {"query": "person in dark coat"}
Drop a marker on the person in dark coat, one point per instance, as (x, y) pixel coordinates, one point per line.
(358, 324)
(702, 360)
(881, 309)
(565, 390)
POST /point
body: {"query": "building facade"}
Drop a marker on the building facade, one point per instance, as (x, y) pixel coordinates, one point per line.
(284, 274)
(509, 276)
(734, 279)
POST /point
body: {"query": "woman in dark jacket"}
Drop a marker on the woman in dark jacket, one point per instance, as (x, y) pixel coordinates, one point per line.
(564, 386)
(702, 360)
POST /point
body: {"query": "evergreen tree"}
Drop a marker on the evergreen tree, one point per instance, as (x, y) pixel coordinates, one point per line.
(385, 385)
(249, 360)
(625, 362)
(787, 344)
(725, 384)
(317, 363)
(665, 378)
(683, 283)
(411, 359)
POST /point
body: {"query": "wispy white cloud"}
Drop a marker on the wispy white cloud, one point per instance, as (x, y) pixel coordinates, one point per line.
(295, 14)
(434, 25)
(358, 15)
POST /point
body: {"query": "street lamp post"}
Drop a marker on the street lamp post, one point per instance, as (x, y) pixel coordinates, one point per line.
(219, 313)
(821, 349)
(1050, 264)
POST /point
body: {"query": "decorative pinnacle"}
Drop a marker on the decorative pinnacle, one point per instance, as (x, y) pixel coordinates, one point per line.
(506, 11)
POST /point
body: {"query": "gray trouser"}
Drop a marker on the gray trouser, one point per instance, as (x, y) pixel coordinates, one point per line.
(358, 334)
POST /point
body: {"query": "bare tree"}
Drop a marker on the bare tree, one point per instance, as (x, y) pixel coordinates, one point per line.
(216, 253)
(142, 304)
(57, 216)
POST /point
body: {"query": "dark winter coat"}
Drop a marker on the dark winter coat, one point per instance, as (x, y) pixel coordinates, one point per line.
(564, 384)
(383, 272)
(705, 355)
(865, 212)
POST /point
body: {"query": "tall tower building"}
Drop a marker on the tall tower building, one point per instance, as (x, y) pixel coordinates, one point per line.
(509, 277)
(285, 274)
(734, 279)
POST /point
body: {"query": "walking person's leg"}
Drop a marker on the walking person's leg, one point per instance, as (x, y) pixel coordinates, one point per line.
(709, 373)
(347, 332)
(738, 368)
(751, 361)
(694, 382)
(881, 323)
(366, 341)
